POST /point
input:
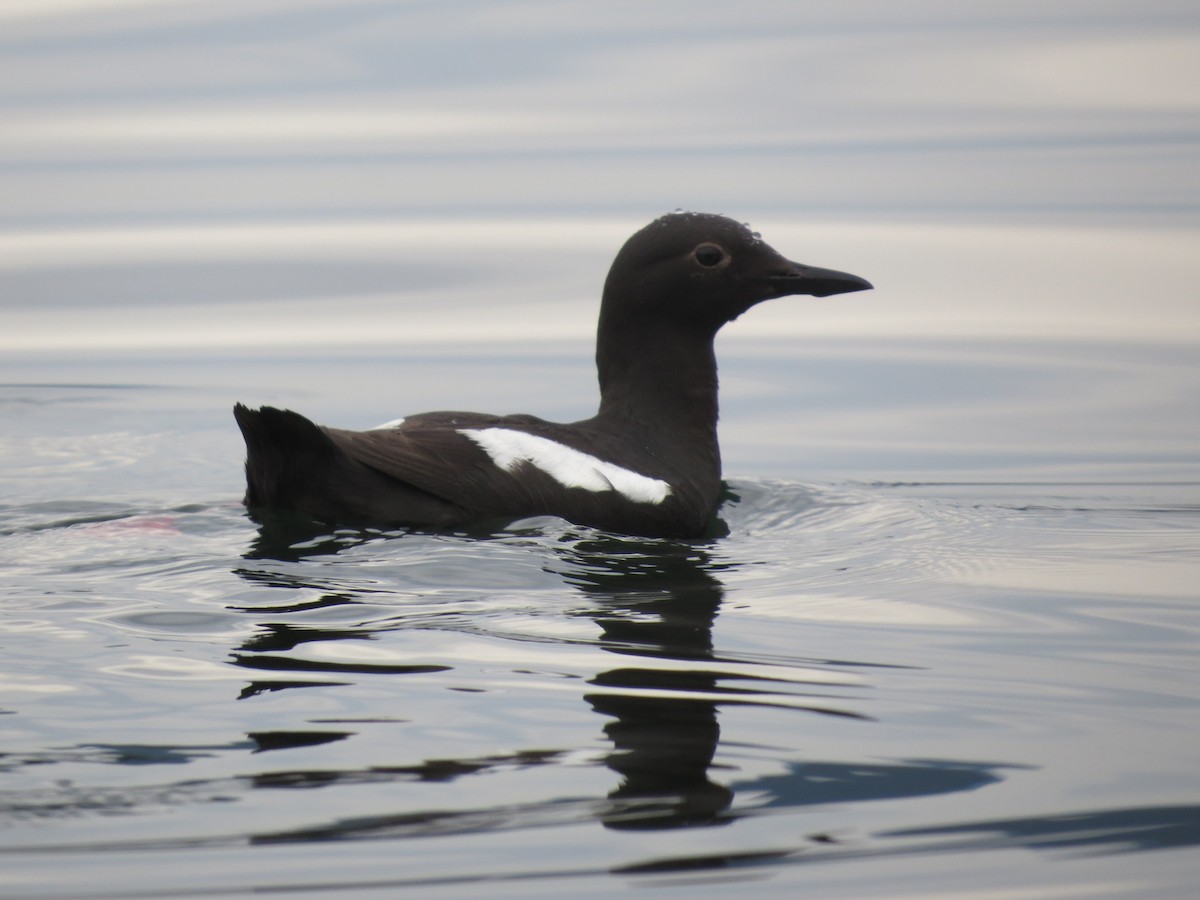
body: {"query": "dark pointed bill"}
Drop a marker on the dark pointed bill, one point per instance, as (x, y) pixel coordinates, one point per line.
(818, 282)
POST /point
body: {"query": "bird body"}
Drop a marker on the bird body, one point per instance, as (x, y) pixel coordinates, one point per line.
(647, 463)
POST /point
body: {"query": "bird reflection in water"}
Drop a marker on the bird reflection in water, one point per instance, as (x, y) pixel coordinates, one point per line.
(656, 600)
(655, 603)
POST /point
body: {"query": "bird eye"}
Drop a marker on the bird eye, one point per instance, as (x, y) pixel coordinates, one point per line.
(709, 255)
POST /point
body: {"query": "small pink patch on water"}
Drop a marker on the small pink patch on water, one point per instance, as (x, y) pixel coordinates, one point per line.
(162, 524)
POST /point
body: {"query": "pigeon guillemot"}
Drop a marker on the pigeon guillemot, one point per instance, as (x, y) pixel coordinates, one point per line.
(647, 463)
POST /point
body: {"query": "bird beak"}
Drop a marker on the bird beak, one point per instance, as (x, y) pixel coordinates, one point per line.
(800, 279)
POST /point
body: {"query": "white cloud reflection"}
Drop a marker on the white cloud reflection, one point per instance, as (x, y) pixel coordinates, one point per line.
(995, 168)
(489, 281)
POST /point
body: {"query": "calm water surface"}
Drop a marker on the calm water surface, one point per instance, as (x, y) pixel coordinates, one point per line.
(868, 689)
(946, 643)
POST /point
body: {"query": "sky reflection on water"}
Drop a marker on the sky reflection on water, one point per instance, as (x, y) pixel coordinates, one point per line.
(1008, 169)
(408, 283)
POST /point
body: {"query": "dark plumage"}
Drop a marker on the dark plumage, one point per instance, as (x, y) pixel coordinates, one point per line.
(647, 463)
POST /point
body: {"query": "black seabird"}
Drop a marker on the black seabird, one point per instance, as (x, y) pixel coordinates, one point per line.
(647, 463)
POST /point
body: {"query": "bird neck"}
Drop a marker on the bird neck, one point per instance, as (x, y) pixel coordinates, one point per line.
(660, 381)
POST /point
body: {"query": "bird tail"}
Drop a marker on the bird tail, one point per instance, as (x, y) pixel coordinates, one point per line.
(294, 464)
(286, 454)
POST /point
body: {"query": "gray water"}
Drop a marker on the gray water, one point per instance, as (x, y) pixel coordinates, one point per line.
(948, 646)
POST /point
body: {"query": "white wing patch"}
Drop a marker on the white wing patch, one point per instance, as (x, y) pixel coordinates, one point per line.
(569, 467)
(395, 423)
